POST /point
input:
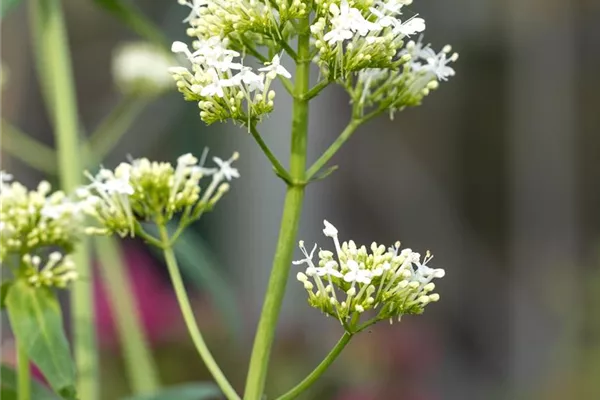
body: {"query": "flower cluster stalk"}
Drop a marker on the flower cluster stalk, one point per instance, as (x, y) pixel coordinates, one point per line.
(290, 220)
(190, 320)
(56, 72)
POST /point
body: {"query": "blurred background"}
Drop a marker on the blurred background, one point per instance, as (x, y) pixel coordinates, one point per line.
(498, 174)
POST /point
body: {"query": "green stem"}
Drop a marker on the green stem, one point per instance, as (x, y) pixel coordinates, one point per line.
(321, 368)
(140, 366)
(112, 128)
(290, 221)
(333, 148)
(23, 373)
(53, 52)
(339, 142)
(315, 90)
(32, 152)
(279, 169)
(190, 320)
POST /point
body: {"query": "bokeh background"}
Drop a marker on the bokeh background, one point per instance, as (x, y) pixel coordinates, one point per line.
(498, 174)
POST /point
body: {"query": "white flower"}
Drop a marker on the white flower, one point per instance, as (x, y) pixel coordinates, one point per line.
(330, 230)
(438, 65)
(275, 68)
(357, 274)
(329, 269)
(409, 27)
(254, 82)
(345, 21)
(225, 168)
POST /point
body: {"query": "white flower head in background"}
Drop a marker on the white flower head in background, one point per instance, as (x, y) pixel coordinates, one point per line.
(142, 68)
(351, 281)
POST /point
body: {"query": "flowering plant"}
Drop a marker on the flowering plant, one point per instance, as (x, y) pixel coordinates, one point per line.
(240, 52)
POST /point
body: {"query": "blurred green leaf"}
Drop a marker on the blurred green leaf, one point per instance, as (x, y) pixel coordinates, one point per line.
(36, 321)
(186, 391)
(9, 386)
(3, 292)
(135, 20)
(198, 264)
(6, 6)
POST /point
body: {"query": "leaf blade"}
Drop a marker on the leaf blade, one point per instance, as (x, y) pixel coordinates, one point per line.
(36, 320)
(9, 386)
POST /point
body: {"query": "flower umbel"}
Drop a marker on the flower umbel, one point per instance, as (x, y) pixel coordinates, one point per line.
(353, 280)
(144, 190)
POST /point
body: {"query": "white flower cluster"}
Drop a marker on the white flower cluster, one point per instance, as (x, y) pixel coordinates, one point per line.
(353, 281)
(218, 80)
(35, 221)
(407, 86)
(142, 68)
(210, 18)
(153, 191)
(57, 271)
(352, 36)
(221, 93)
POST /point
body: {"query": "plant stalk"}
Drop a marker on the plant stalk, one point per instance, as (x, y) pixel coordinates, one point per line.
(190, 320)
(57, 76)
(139, 364)
(23, 373)
(290, 221)
(321, 368)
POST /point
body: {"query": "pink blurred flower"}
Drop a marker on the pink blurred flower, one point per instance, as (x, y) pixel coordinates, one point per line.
(156, 303)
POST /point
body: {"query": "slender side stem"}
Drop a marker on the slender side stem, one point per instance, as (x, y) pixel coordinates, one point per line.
(290, 221)
(285, 46)
(190, 320)
(23, 373)
(32, 152)
(113, 127)
(321, 368)
(139, 364)
(315, 90)
(54, 53)
(335, 146)
(279, 168)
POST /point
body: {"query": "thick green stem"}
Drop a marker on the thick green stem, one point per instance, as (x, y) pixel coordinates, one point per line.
(321, 368)
(290, 220)
(56, 73)
(23, 373)
(190, 320)
(139, 364)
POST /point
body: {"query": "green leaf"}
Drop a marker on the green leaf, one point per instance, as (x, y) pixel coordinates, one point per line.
(36, 321)
(6, 6)
(135, 20)
(186, 391)
(4, 292)
(198, 264)
(9, 386)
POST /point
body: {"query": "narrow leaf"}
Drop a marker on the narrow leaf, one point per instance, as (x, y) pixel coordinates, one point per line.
(186, 391)
(6, 6)
(9, 386)
(36, 320)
